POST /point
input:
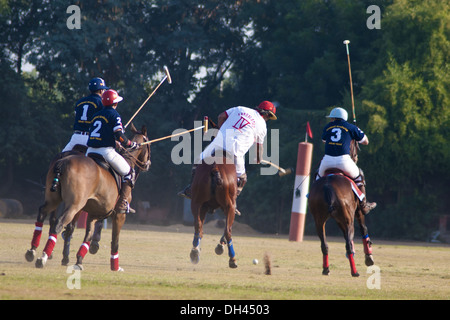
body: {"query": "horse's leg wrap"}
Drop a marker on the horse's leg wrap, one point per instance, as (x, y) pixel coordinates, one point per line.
(196, 241)
(115, 261)
(367, 244)
(352, 265)
(50, 244)
(231, 252)
(84, 248)
(37, 234)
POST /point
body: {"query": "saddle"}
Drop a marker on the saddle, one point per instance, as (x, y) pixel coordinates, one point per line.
(355, 188)
(100, 161)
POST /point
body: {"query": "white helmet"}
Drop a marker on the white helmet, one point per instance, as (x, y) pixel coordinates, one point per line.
(338, 113)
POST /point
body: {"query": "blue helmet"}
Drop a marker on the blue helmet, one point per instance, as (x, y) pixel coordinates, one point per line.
(97, 84)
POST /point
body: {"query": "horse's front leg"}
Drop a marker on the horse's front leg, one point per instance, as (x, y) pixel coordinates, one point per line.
(367, 244)
(199, 217)
(67, 236)
(84, 248)
(227, 233)
(117, 223)
(96, 237)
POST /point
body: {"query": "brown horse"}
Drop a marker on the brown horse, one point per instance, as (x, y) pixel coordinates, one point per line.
(84, 185)
(214, 186)
(332, 197)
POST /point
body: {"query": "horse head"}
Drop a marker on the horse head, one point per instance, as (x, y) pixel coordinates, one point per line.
(141, 156)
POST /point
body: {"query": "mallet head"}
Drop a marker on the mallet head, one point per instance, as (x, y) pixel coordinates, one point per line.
(346, 41)
(166, 71)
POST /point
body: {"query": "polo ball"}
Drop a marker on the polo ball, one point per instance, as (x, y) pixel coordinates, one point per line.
(255, 261)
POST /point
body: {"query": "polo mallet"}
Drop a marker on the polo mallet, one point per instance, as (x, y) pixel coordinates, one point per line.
(281, 172)
(166, 77)
(346, 42)
(204, 127)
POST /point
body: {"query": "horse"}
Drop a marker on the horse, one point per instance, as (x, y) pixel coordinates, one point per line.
(82, 184)
(332, 196)
(214, 185)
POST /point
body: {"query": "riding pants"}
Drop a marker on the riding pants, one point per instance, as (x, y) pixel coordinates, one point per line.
(113, 158)
(344, 163)
(211, 154)
(77, 138)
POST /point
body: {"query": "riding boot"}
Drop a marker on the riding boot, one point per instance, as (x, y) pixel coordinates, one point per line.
(187, 190)
(241, 181)
(123, 203)
(366, 206)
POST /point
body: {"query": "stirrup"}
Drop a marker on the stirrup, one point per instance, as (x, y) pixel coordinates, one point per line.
(184, 193)
(367, 207)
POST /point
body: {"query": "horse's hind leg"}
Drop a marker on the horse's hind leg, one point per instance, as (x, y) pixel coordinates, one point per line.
(199, 217)
(367, 244)
(349, 247)
(320, 229)
(56, 225)
(228, 225)
(84, 248)
(42, 214)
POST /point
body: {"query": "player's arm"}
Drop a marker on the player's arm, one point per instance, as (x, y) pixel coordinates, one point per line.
(259, 152)
(221, 119)
(123, 140)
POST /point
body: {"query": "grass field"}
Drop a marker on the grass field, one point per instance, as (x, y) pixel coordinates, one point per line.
(157, 266)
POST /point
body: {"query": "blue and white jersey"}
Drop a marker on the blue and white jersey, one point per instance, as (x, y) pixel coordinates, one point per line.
(104, 124)
(85, 108)
(338, 135)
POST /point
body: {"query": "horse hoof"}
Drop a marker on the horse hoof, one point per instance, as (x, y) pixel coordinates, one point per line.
(29, 256)
(326, 271)
(78, 267)
(369, 260)
(65, 261)
(195, 255)
(39, 263)
(355, 275)
(232, 263)
(219, 249)
(94, 247)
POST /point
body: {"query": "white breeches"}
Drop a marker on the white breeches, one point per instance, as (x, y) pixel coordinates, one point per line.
(76, 139)
(113, 158)
(207, 156)
(344, 163)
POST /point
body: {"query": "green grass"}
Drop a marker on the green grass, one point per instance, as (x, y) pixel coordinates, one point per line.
(157, 266)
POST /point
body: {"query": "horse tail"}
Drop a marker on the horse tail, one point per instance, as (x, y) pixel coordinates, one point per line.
(57, 170)
(330, 197)
(216, 178)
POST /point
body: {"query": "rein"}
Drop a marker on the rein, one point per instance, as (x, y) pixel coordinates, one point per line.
(143, 166)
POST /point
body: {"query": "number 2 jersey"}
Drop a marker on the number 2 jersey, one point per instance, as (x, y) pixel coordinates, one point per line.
(104, 124)
(85, 108)
(338, 135)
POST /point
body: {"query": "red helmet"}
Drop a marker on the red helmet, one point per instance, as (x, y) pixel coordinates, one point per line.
(110, 97)
(269, 108)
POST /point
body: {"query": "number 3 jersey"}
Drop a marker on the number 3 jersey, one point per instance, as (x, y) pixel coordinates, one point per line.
(338, 135)
(85, 109)
(104, 124)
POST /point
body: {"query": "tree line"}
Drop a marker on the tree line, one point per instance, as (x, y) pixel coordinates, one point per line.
(227, 53)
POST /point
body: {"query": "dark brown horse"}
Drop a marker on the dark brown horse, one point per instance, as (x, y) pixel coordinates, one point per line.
(332, 197)
(84, 185)
(214, 186)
